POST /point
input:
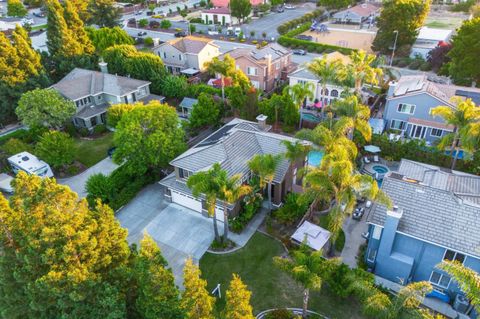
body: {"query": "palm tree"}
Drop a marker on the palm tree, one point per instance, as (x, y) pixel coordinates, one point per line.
(207, 183)
(467, 279)
(299, 92)
(361, 69)
(359, 113)
(308, 269)
(328, 72)
(463, 118)
(296, 151)
(265, 166)
(231, 191)
(225, 67)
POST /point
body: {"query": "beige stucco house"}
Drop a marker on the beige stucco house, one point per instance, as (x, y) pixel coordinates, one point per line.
(187, 55)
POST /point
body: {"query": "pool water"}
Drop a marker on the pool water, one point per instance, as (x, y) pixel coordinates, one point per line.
(379, 182)
(315, 158)
(380, 169)
(310, 117)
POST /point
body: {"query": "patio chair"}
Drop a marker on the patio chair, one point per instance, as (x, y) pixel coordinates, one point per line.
(375, 159)
(366, 160)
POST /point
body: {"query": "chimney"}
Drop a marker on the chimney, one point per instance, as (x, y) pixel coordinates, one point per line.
(390, 229)
(103, 66)
(392, 86)
(262, 121)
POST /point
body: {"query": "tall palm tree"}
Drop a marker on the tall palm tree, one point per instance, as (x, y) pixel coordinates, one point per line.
(463, 118)
(467, 279)
(265, 166)
(359, 113)
(328, 72)
(296, 151)
(307, 268)
(224, 67)
(299, 92)
(208, 184)
(361, 69)
(231, 191)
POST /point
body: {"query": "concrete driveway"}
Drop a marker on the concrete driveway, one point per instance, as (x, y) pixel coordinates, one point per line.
(179, 232)
(77, 182)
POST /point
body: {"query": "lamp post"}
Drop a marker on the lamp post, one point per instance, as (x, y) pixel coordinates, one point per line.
(394, 46)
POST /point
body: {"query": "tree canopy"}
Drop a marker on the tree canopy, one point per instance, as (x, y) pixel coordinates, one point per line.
(15, 8)
(404, 16)
(148, 137)
(104, 38)
(463, 66)
(196, 300)
(205, 112)
(44, 107)
(238, 300)
(56, 148)
(240, 9)
(104, 13)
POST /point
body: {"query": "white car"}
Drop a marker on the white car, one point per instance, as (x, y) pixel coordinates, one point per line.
(237, 31)
(289, 7)
(26, 21)
(5, 183)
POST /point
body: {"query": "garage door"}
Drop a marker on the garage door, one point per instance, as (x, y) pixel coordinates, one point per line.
(187, 201)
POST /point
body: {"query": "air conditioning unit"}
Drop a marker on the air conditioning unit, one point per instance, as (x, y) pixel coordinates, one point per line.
(461, 303)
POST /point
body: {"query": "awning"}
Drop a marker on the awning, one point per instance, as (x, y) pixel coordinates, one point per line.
(372, 149)
(318, 105)
(442, 126)
(314, 236)
(190, 71)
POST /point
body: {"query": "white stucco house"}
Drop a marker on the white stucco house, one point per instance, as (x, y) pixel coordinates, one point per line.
(219, 16)
(428, 39)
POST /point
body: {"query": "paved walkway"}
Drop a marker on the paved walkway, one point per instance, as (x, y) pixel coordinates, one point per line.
(77, 183)
(353, 230)
(432, 303)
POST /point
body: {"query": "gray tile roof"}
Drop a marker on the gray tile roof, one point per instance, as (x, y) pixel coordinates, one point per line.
(88, 111)
(188, 102)
(81, 83)
(233, 149)
(431, 214)
(304, 74)
(190, 44)
(466, 186)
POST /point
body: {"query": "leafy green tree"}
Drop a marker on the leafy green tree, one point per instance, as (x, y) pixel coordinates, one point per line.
(359, 114)
(44, 107)
(238, 300)
(175, 86)
(116, 112)
(59, 258)
(299, 93)
(98, 186)
(56, 148)
(334, 4)
(467, 279)
(75, 25)
(404, 16)
(105, 38)
(14, 146)
(240, 9)
(463, 66)
(165, 24)
(265, 166)
(15, 8)
(148, 137)
(142, 23)
(81, 7)
(362, 69)
(462, 117)
(205, 112)
(196, 300)
(157, 295)
(308, 268)
(104, 13)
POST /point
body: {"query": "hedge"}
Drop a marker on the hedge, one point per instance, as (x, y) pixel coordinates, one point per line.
(293, 33)
(287, 26)
(312, 46)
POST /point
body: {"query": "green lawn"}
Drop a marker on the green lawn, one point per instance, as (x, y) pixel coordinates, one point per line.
(38, 27)
(91, 151)
(270, 287)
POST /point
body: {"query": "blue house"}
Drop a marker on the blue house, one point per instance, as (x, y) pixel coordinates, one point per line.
(436, 216)
(409, 101)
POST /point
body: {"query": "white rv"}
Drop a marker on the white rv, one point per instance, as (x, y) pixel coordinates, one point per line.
(30, 164)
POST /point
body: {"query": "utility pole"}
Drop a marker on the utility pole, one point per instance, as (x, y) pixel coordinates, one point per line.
(394, 46)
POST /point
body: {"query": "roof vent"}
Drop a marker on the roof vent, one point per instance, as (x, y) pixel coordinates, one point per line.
(25, 158)
(395, 208)
(364, 5)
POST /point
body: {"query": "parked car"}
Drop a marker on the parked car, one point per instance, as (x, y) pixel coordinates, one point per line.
(139, 12)
(5, 183)
(358, 213)
(304, 37)
(238, 31)
(39, 14)
(26, 21)
(180, 34)
(289, 7)
(280, 9)
(299, 52)
(142, 33)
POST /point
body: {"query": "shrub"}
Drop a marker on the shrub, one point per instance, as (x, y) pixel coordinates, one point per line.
(56, 148)
(70, 129)
(99, 186)
(294, 207)
(148, 41)
(196, 20)
(280, 314)
(19, 134)
(232, 39)
(99, 129)
(175, 86)
(14, 146)
(142, 23)
(83, 132)
(194, 90)
(254, 42)
(425, 66)
(290, 42)
(34, 134)
(165, 24)
(242, 40)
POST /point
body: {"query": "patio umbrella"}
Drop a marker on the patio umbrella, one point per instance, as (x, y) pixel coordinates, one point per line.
(372, 149)
(318, 105)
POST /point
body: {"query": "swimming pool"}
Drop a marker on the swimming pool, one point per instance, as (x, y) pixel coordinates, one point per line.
(310, 117)
(315, 158)
(380, 169)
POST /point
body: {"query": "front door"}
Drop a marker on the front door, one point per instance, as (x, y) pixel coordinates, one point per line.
(215, 19)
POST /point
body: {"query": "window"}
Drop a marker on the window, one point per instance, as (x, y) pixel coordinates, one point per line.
(334, 93)
(436, 132)
(251, 71)
(93, 121)
(325, 93)
(180, 57)
(277, 65)
(377, 231)
(302, 82)
(453, 255)
(164, 55)
(99, 97)
(397, 125)
(406, 108)
(183, 173)
(439, 279)
(372, 253)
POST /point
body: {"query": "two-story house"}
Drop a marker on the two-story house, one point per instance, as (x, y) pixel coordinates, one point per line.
(93, 92)
(410, 100)
(436, 217)
(187, 55)
(265, 67)
(333, 91)
(428, 39)
(232, 146)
